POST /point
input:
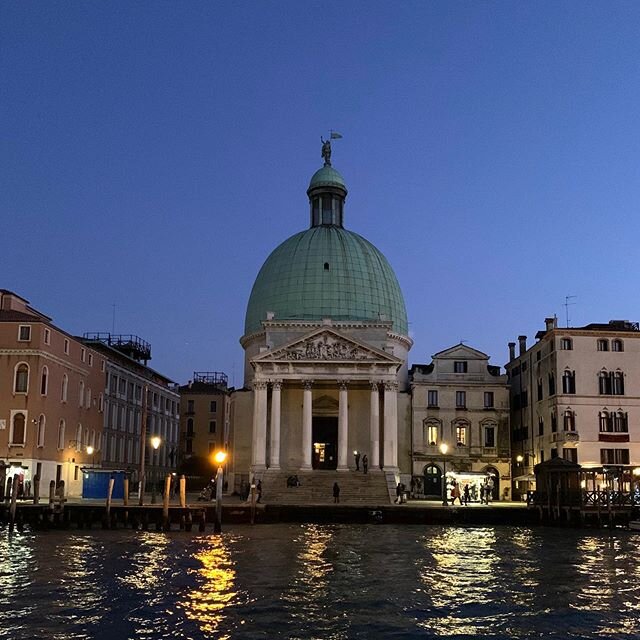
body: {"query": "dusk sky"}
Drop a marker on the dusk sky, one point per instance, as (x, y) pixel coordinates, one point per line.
(155, 153)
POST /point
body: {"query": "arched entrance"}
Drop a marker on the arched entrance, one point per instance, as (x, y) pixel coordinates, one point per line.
(495, 478)
(432, 481)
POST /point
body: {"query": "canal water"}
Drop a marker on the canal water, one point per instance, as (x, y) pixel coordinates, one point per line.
(321, 581)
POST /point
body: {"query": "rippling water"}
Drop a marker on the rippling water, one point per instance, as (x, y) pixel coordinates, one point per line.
(322, 581)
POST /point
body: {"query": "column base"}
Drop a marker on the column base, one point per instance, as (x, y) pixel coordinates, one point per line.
(274, 467)
(305, 467)
(343, 469)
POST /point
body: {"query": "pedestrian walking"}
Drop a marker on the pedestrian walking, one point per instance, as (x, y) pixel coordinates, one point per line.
(399, 490)
(356, 455)
(466, 493)
(336, 492)
(456, 494)
(259, 490)
(365, 463)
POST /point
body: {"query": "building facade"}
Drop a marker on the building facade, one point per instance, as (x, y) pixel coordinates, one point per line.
(460, 424)
(128, 378)
(575, 393)
(204, 421)
(51, 399)
(326, 345)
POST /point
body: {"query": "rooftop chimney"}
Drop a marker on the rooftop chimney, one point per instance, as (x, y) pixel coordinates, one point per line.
(512, 351)
(522, 340)
(551, 323)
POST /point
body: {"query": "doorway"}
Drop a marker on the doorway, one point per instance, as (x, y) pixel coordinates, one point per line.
(432, 481)
(325, 443)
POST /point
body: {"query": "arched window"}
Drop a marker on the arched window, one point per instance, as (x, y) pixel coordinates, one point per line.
(569, 420)
(461, 430)
(41, 424)
(61, 428)
(18, 433)
(88, 399)
(44, 381)
(65, 387)
(569, 382)
(21, 378)
(620, 422)
(431, 431)
(79, 437)
(617, 384)
(617, 345)
(92, 442)
(489, 433)
(81, 394)
(603, 344)
(566, 344)
(606, 422)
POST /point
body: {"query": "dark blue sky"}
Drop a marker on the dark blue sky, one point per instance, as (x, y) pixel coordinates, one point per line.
(154, 153)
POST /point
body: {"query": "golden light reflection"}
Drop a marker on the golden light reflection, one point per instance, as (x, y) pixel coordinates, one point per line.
(206, 604)
(462, 568)
(149, 563)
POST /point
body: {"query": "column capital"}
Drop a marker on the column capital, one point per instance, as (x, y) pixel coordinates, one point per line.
(259, 384)
(374, 385)
(391, 386)
(276, 384)
(307, 384)
(343, 384)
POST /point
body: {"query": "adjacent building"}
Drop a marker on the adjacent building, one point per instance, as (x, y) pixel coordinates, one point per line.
(460, 424)
(575, 393)
(51, 399)
(128, 379)
(204, 421)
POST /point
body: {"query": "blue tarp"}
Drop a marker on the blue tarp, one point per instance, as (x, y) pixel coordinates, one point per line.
(95, 484)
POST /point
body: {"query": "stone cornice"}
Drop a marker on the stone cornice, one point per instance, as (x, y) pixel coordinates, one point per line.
(47, 356)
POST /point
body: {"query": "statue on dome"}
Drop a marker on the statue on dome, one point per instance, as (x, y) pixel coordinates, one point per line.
(326, 151)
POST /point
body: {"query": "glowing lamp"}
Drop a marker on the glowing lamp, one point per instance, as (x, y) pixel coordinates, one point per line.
(220, 457)
(444, 447)
(155, 442)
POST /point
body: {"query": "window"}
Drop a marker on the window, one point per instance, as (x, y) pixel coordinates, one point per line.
(566, 344)
(604, 383)
(461, 399)
(488, 399)
(47, 336)
(75, 472)
(432, 398)
(40, 436)
(190, 427)
(602, 345)
(189, 406)
(569, 420)
(21, 380)
(490, 436)
(24, 333)
(44, 381)
(91, 360)
(83, 354)
(620, 422)
(606, 423)
(617, 345)
(18, 435)
(61, 427)
(87, 403)
(79, 437)
(539, 390)
(81, 394)
(614, 456)
(213, 406)
(611, 383)
(189, 447)
(524, 398)
(102, 366)
(122, 387)
(66, 346)
(569, 382)
(554, 453)
(460, 366)
(432, 432)
(570, 454)
(618, 383)
(461, 435)
(552, 384)
(540, 426)
(101, 402)
(212, 426)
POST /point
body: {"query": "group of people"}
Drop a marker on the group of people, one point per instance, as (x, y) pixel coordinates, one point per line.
(464, 495)
(365, 462)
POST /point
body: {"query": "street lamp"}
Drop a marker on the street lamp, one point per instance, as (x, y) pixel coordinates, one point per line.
(90, 452)
(219, 457)
(444, 447)
(155, 443)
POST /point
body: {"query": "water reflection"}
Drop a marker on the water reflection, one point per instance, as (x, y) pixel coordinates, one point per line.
(207, 603)
(17, 565)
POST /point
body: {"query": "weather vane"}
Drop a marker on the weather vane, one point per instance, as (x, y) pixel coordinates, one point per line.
(326, 146)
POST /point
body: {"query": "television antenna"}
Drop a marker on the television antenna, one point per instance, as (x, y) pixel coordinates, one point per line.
(567, 304)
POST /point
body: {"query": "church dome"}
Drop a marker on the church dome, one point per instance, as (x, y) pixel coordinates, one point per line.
(326, 271)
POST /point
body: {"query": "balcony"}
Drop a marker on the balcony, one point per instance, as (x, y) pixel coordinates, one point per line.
(566, 438)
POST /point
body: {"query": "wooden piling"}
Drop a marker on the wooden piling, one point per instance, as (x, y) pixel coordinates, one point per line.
(107, 522)
(14, 502)
(125, 495)
(183, 491)
(166, 523)
(36, 489)
(7, 495)
(203, 520)
(253, 504)
(52, 499)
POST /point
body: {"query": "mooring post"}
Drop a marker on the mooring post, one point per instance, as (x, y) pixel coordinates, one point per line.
(7, 495)
(253, 503)
(203, 520)
(52, 498)
(14, 502)
(166, 523)
(36, 489)
(107, 522)
(183, 501)
(125, 495)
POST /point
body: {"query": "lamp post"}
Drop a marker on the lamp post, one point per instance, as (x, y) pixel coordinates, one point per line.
(155, 443)
(444, 447)
(220, 457)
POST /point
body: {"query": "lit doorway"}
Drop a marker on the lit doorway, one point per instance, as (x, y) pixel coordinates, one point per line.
(325, 443)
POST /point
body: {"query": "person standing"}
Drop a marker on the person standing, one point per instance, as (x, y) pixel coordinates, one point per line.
(336, 492)
(365, 463)
(356, 455)
(259, 490)
(467, 494)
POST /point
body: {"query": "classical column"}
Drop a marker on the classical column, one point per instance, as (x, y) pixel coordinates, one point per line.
(259, 445)
(307, 419)
(391, 425)
(343, 428)
(276, 390)
(374, 426)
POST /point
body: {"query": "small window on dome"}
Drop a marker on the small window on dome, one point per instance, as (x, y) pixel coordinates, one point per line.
(326, 266)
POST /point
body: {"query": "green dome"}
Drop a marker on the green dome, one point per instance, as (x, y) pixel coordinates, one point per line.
(326, 272)
(327, 177)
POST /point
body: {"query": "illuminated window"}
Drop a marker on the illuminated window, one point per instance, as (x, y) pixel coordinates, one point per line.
(461, 435)
(432, 432)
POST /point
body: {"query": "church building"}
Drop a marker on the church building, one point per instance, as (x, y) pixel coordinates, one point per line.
(326, 346)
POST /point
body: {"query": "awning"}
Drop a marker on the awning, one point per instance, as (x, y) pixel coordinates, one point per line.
(527, 478)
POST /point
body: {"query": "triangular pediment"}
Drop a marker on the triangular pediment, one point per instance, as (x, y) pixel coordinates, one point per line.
(327, 345)
(460, 352)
